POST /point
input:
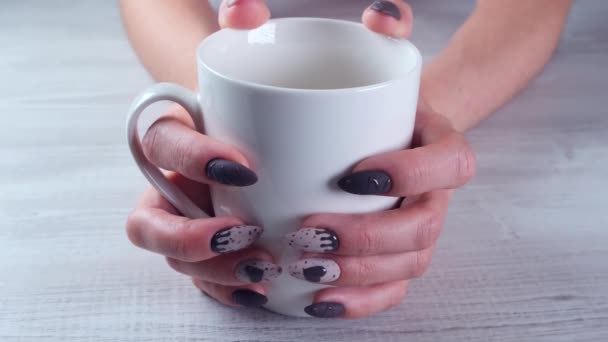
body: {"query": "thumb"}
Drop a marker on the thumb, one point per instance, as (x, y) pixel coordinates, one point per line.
(243, 14)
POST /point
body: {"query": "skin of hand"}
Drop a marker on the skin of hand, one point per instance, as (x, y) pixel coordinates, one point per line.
(370, 267)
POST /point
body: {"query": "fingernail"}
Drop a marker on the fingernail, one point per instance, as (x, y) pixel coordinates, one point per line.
(314, 240)
(230, 173)
(248, 298)
(366, 183)
(231, 3)
(315, 270)
(387, 7)
(255, 271)
(235, 238)
(325, 310)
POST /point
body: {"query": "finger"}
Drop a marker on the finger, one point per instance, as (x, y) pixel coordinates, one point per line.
(173, 145)
(243, 267)
(361, 271)
(243, 14)
(446, 161)
(392, 18)
(247, 296)
(414, 227)
(357, 302)
(197, 192)
(188, 240)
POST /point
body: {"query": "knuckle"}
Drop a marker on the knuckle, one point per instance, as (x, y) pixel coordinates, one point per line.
(366, 241)
(179, 246)
(170, 149)
(134, 228)
(415, 174)
(397, 296)
(466, 166)
(151, 143)
(363, 273)
(185, 154)
(421, 263)
(428, 230)
(174, 264)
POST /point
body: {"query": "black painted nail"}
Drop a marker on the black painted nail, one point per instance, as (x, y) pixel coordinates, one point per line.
(325, 310)
(366, 183)
(230, 173)
(248, 298)
(387, 7)
(234, 238)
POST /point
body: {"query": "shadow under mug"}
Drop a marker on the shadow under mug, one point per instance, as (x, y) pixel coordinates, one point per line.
(304, 99)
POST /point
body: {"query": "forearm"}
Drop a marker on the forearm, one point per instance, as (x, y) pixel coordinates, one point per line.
(165, 34)
(502, 46)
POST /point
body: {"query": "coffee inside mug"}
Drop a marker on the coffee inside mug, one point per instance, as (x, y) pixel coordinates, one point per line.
(307, 54)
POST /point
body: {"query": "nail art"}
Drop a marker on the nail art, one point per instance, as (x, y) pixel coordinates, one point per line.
(255, 271)
(230, 173)
(387, 7)
(231, 3)
(248, 298)
(314, 240)
(315, 270)
(235, 238)
(325, 309)
(366, 183)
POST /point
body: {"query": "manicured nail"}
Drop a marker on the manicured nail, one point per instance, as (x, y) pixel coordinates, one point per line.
(255, 271)
(387, 7)
(248, 298)
(315, 270)
(231, 3)
(314, 240)
(235, 238)
(366, 183)
(325, 310)
(230, 173)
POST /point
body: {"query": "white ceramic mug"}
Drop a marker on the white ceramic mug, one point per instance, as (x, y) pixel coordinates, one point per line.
(304, 99)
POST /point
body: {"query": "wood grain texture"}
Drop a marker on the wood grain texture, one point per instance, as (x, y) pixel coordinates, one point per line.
(524, 255)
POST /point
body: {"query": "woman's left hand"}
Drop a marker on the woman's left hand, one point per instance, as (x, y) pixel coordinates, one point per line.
(371, 257)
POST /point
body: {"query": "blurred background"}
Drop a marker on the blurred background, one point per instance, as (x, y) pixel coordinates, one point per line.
(523, 256)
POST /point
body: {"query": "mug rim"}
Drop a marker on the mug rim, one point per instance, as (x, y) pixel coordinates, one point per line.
(249, 84)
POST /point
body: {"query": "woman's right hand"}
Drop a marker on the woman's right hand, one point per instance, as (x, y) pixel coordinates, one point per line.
(216, 252)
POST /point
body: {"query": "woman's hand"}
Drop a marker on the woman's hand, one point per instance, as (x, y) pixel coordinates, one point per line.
(214, 251)
(371, 257)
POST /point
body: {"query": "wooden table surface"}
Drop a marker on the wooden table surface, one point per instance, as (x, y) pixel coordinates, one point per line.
(524, 254)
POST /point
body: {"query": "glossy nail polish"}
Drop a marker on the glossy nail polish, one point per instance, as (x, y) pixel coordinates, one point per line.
(230, 173)
(256, 271)
(325, 310)
(248, 298)
(315, 270)
(235, 238)
(387, 7)
(366, 183)
(314, 240)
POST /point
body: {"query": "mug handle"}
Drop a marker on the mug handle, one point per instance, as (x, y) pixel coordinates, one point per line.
(185, 98)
